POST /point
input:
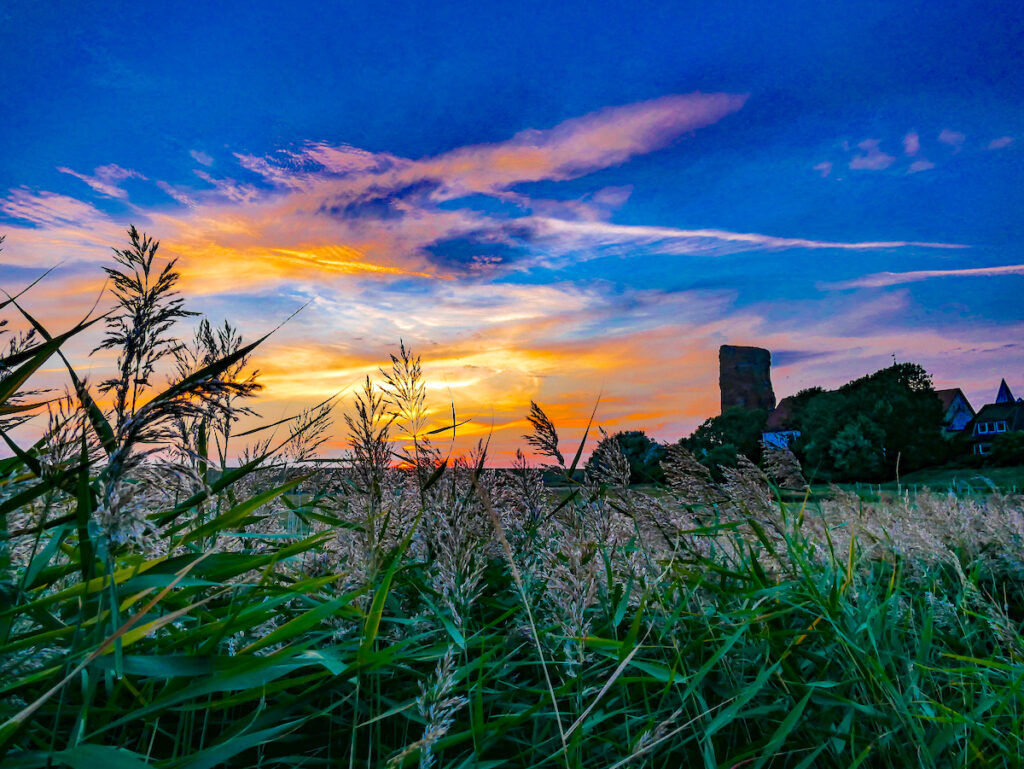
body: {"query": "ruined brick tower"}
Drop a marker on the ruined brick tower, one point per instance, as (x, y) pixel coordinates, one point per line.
(745, 377)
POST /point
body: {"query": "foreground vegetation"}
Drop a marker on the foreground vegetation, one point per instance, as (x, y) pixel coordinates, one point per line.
(173, 609)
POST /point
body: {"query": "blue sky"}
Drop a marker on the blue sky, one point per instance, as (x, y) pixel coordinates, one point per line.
(543, 200)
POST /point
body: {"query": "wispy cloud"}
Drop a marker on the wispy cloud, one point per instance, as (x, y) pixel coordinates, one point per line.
(1001, 143)
(824, 168)
(106, 180)
(579, 235)
(871, 157)
(201, 157)
(952, 138)
(231, 190)
(605, 138)
(387, 210)
(882, 279)
(911, 143)
(177, 194)
(920, 165)
(53, 212)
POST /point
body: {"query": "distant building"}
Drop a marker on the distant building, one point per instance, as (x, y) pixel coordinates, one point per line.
(778, 430)
(1004, 416)
(745, 378)
(957, 411)
(994, 419)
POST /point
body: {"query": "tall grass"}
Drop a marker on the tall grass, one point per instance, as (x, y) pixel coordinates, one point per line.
(164, 607)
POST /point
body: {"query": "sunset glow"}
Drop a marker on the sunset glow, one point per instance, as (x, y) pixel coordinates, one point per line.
(539, 223)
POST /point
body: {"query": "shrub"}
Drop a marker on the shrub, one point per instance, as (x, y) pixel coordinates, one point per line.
(1007, 449)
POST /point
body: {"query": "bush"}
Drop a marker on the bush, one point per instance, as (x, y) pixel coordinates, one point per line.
(721, 440)
(1007, 450)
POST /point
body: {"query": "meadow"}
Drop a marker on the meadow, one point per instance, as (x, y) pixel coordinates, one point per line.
(179, 593)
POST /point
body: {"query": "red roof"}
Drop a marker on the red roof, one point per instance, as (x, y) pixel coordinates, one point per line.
(779, 419)
(947, 396)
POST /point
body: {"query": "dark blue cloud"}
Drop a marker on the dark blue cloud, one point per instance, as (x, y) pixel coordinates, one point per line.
(380, 203)
(473, 249)
(789, 357)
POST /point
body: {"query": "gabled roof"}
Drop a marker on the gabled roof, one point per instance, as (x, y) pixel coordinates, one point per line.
(948, 396)
(780, 417)
(1004, 395)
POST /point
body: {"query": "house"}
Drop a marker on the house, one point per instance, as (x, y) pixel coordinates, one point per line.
(957, 411)
(993, 419)
(1005, 415)
(778, 430)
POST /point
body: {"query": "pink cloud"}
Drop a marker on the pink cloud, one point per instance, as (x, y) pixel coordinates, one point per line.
(230, 189)
(48, 209)
(179, 195)
(605, 138)
(872, 158)
(106, 179)
(1001, 143)
(882, 279)
(573, 148)
(952, 138)
(824, 168)
(911, 143)
(920, 165)
(275, 174)
(201, 157)
(345, 159)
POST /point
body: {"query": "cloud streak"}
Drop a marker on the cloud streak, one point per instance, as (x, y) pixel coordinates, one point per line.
(883, 279)
(107, 179)
(574, 235)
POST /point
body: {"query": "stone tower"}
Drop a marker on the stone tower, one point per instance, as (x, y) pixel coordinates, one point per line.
(745, 377)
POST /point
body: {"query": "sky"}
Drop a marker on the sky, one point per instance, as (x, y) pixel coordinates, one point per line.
(559, 202)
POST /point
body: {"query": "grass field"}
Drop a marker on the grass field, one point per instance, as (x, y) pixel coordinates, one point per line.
(171, 610)
(977, 481)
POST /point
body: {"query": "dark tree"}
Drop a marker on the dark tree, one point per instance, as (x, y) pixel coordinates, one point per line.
(872, 427)
(722, 439)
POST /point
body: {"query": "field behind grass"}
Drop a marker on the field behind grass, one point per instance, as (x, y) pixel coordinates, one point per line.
(956, 479)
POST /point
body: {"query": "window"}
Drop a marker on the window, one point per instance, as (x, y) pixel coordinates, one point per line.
(981, 448)
(982, 428)
(1000, 427)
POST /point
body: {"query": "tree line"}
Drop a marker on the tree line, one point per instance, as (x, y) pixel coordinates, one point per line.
(873, 429)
